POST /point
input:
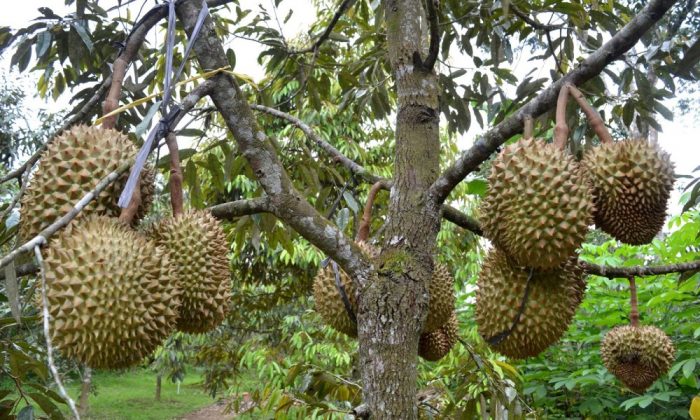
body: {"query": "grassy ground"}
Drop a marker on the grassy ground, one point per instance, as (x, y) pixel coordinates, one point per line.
(131, 395)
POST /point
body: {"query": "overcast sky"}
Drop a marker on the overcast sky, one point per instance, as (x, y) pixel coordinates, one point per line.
(680, 138)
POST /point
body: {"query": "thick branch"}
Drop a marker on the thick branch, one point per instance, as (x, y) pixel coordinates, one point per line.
(233, 209)
(588, 69)
(284, 200)
(462, 220)
(337, 156)
(22, 270)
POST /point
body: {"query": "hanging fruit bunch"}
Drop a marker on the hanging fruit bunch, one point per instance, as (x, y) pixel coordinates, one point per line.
(336, 302)
(537, 212)
(631, 182)
(114, 295)
(637, 355)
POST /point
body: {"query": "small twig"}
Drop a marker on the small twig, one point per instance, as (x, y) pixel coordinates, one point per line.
(634, 309)
(344, 7)
(363, 233)
(593, 117)
(557, 62)
(337, 156)
(532, 21)
(561, 129)
(47, 334)
(18, 196)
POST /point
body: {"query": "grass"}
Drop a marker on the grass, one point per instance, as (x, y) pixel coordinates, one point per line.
(131, 395)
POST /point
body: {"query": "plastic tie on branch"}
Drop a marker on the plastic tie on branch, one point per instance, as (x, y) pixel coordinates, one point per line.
(170, 114)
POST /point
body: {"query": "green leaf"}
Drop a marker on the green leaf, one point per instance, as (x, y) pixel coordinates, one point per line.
(689, 367)
(43, 43)
(47, 405)
(351, 202)
(27, 413)
(477, 187)
(342, 218)
(83, 34)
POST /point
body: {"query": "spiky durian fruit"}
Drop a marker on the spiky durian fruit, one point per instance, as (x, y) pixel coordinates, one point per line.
(110, 293)
(198, 253)
(435, 345)
(329, 303)
(637, 356)
(331, 307)
(537, 207)
(71, 166)
(632, 181)
(545, 304)
(442, 298)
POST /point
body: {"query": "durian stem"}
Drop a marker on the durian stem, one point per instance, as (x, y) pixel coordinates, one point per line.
(528, 126)
(561, 129)
(111, 102)
(363, 233)
(176, 196)
(593, 117)
(128, 213)
(634, 310)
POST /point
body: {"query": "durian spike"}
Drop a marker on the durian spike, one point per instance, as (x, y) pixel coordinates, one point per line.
(594, 119)
(363, 231)
(528, 127)
(176, 196)
(634, 309)
(561, 129)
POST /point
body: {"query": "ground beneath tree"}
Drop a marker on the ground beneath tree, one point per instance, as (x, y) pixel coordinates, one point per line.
(217, 410)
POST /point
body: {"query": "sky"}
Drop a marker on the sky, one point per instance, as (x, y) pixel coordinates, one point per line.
(679, 137)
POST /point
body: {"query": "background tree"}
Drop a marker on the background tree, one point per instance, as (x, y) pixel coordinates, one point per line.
(285, 191)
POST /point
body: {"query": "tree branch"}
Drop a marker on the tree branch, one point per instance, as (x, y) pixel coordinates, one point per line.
(533, 21)
(462, 220)
(233, 209)
(337, 156)
(285, 201)
(626, 272)
(344, 7)
(612, 50)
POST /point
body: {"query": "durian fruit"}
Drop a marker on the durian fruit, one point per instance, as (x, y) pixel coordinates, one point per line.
(537, 207)
(329, 304)
(332, 309)
(637, 355)
(435, 345)
(632, 182)
(198, 252)
(442, 298)
(71, 166)
(552, 299)
(110, 293)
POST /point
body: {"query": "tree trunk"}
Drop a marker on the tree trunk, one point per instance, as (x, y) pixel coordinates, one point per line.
(84, 400)
(393, 304)
(159, 380)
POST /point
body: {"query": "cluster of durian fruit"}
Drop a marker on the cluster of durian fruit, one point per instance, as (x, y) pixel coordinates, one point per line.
(440, 330)
(537, 211)
(115, 293)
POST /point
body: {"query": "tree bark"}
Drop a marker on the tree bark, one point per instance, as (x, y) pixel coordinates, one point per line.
(393, 305)
(84, 400)
(159, 381)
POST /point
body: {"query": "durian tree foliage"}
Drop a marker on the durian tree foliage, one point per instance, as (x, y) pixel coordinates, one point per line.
(373, 93)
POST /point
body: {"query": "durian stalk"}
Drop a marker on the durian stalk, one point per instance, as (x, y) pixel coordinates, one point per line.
(528, 126)
(594, 119)
(176, 196)
(363, 232)
(561, 129)
(634, 310)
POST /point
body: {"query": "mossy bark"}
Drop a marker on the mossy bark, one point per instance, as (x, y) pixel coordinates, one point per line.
(393, 304)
